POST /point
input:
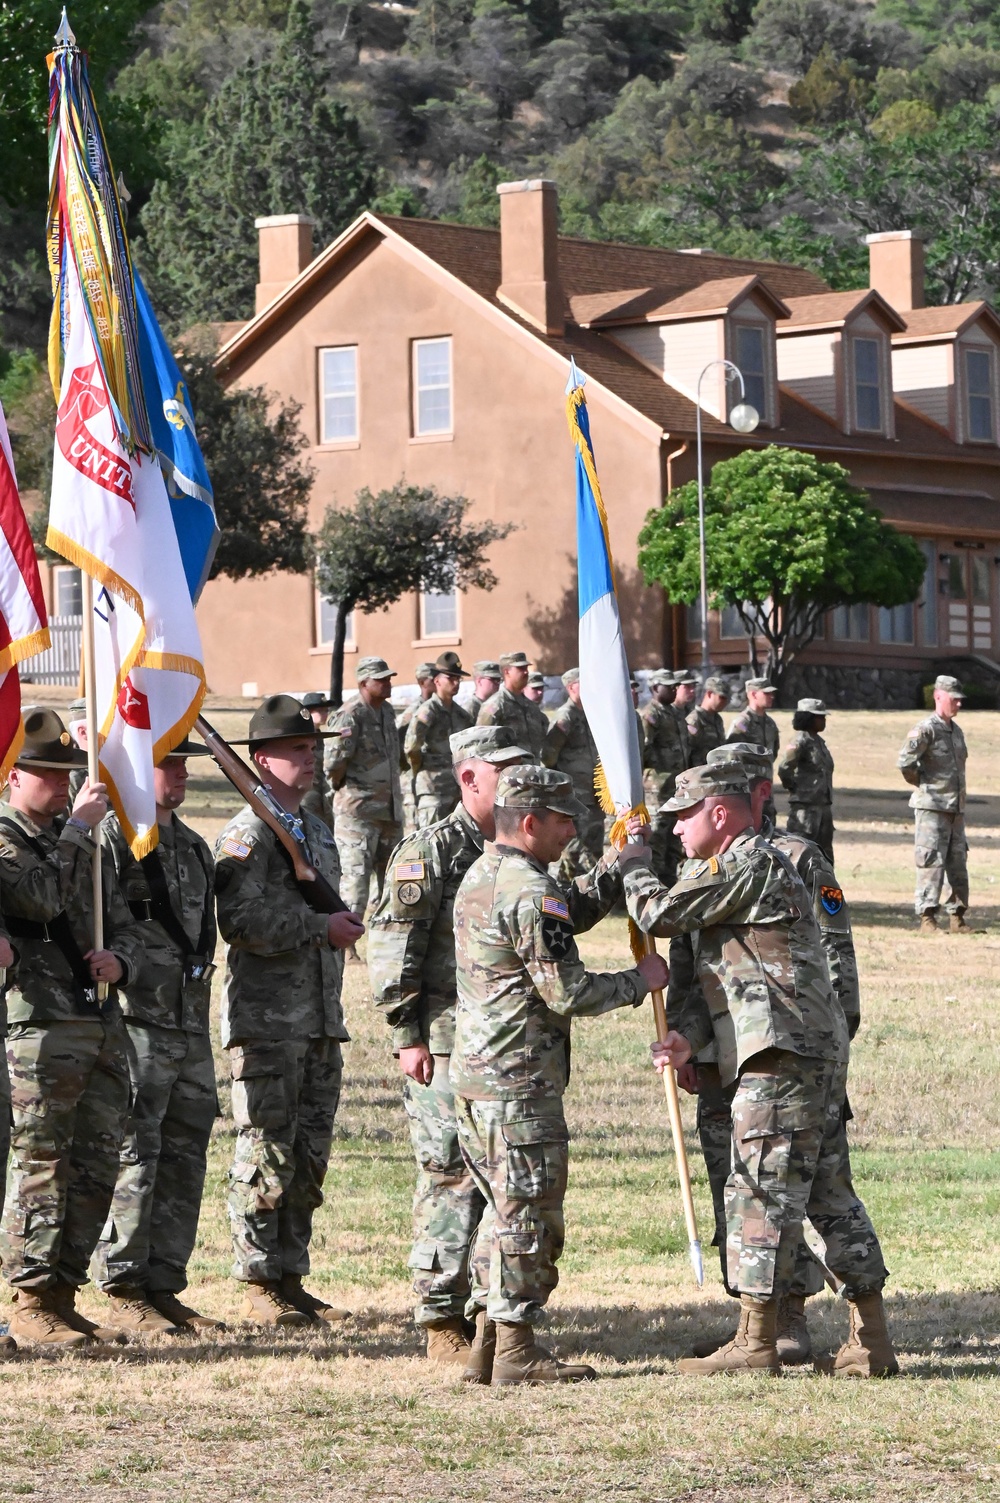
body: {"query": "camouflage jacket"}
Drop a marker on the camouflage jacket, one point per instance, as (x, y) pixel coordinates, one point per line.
(34, 890)
(411, 938)
(933, 759)
(705, 732)
(427, 747)
(526, 722)
(666, 749)
(319, 799)
(806, 769)
(764, 982)
(362, 763)
(569, 746)
(759, 729)
(520, 979)
(160, 993)
(283, 981)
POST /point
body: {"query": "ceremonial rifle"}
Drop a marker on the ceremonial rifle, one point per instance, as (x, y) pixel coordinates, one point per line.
(313, 886)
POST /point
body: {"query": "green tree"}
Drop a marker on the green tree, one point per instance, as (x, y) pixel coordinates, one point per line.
(387, 545)
(830, 92)
(788, 538)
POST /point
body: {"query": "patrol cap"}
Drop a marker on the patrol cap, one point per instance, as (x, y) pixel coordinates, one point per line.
(716, 685)
(450, 663)
(47, 743)
(423, 672)
(571, 676)
(759, 764)
(536, 680)
(489, 743)
(76, 709)
(373, 668)
(724, 780)
(531, 787)
(685, 676)
(762, 685)
(279, 718)
(514, 660)
(487, 668)
(949, 685)
(185, 748)
(811, 707)
(660, 676)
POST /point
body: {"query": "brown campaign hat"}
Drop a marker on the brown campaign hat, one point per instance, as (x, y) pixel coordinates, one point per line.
(315, 699)
(373, 668)
(487, 743)
(47, 743)
(450, 663)
(185, 748)
(279, 718)
(514, 660)
(527, 787)
(724, 780)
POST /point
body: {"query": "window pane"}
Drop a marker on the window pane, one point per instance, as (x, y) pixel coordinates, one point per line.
(981, 578)
(980, 397)
(340, 394)
(750, 359)
(432, 371)
(868, 403)
(730, 624)
(896, 624)
(433, 366)
(440, 613)
(69, 593)
(850, 623)
(326, 622)
(929, 595)
(956, 576)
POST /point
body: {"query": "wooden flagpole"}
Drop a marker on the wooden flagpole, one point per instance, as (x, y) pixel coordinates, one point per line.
(93, 771)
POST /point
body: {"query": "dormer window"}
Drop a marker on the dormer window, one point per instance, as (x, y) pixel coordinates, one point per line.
(979, 395)
(867, 386)
(750, 357)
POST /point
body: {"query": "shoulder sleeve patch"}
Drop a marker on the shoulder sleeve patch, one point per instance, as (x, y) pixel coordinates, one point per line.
(555, 908)
(409, 871)
(832, 899)
(238, 849)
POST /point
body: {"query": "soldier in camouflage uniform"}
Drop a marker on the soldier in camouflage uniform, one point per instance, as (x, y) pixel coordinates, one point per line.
(569, 748)
(526, 722)
(664, 755)
(76, 724)
(141, 1260)
(933, 760)
(534, 689)
(411, 962)
(319, 799)
(424, 676)
(282, 1023)
(428, 748)
(362, 763)
(704, 723)
(806, 770)
(755, 725)
(66, 1044)
(520, 984)
(486, 681)
(766, 999)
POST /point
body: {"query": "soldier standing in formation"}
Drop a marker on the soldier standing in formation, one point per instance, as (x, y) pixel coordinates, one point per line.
(664, 756)
(76, 724)
(534, 689)
(933, 760)
(362, 763)
(66, 1044)
(282, 1023)
(704, 724)
(755, 725)
(319, 799)
(486, 680)
(766, 999)
(427, 742)
(520, 983)
(411, 962)
(141, 1260)
(424, 677)
(526, 722)
(569, 748)
(806, 771)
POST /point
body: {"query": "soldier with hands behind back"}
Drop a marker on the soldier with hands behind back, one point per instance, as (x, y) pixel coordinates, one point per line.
(933, 761)
(508, 707)
(806, 771)
(428, 749)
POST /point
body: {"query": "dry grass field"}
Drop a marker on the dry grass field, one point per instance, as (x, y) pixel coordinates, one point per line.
(356, 1413)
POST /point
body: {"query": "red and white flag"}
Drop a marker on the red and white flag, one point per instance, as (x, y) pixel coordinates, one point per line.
(24, 626)
(110, 515)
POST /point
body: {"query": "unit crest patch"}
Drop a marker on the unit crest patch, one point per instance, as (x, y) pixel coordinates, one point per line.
(832, 899)
(409, 893)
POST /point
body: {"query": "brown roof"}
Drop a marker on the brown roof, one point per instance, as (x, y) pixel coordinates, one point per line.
(661, 304)
(830, 308)
(925, 323)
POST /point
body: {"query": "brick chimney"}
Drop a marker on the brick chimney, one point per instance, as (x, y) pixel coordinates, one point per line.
(896, 268)
(529, 254)
(285, 244)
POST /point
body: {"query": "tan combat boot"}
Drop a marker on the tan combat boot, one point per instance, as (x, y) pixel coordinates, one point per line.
(174, 1309)
(310, 1304)
(867, 1352)
(792, 1339)
(65, 1303)
(928, 924)
(957, 924)
(134, 1313)
(520, 1360)
(479, 1359)
(753, 1347)
(448, 1343)
(36, 1320)
(264, 1304)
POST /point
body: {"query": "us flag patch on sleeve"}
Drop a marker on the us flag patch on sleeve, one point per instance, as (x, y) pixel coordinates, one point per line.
(555, 907)
(409, 871)
(238, 849)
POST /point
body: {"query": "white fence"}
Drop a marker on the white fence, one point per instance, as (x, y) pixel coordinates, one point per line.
(60, 664)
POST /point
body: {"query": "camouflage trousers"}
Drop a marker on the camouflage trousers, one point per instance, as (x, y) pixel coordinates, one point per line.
(150, 1232)
(941, 853)
(285, 1099)
(447, 1202)
(715, 1131)
(69, 1097)
(668, 853)
(365, 846)
(587, 846)
(791, 1160)
(4, 1124)
(436, 794)
(815, 822)
(518, 1154)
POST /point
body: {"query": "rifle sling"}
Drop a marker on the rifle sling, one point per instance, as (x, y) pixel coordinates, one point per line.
(162, 909)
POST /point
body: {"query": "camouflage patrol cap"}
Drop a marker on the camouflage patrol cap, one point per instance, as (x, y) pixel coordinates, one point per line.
(949, 685)
(423, 672)
(758, 763)
(528, 788)
(76, 709)
(811, 707)
(488, 743)
(571, 676)
(660, 676)
(761, 685)
(48, 745)
(373, 668)
(514, 660)
(724, 780)
(536, 680)
(487, 668)
(684, 676)
(716, 685)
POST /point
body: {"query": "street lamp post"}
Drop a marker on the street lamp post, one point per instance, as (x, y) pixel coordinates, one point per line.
(744, 419)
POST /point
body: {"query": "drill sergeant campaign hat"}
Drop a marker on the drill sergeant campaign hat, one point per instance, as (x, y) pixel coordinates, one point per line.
(724, 780)
(756, 762)
(279, 718)
(514, 660)
(949, 685)
(715, 685)
(47, 743)
(811, 707)
(487, 743)
(451, 664)
(185, 748)
(761, 685)
(373, 668)
(527, 788)
(315, 699)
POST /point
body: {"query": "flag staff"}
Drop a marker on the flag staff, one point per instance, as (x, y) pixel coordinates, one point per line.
(93, 770)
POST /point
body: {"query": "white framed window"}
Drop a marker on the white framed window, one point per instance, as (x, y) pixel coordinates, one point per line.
(431, 387)
(979, 395)
(438, 613)
(67, 592)
(895, 624)
(867, 385)
(338, 386)
(326, 621)
(751, 357)
(850, 623)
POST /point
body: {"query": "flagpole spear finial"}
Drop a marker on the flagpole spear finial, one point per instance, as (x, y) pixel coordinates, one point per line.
(64, 35)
